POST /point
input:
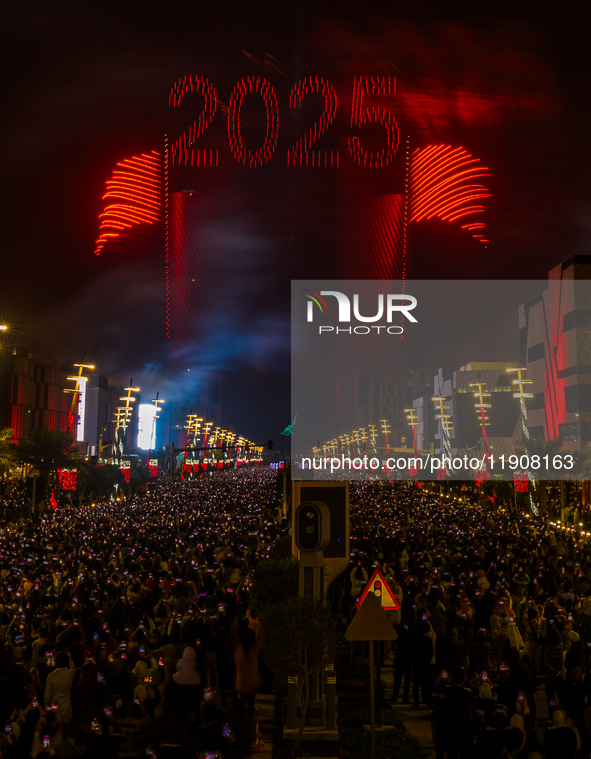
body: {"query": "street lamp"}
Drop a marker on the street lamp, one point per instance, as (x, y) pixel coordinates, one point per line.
(193, 428)
(79, 397)
(481, 409)
(386, 429)
(413, 420)
(6, 328)
(520, 382)
(446, 426)
(123, 416)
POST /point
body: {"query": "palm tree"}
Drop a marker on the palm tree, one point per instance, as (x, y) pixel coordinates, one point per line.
(47, 450)
(8, 458)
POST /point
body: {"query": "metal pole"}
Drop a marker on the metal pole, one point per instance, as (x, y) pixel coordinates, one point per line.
(378, 644)
(331, 684)
(372, 701)
(171, 475)
(562, 501)
(515, 495)
(314, 694)
(1, 381)
(284, 503)
(292, 702)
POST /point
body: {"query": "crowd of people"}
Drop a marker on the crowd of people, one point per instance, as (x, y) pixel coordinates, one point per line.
(493, 605)
(128, 631)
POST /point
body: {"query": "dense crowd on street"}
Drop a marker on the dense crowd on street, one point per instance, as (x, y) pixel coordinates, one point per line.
(493, 606)
(127, 629)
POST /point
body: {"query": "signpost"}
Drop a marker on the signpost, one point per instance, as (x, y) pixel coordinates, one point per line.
(371, 623)
(381, 590)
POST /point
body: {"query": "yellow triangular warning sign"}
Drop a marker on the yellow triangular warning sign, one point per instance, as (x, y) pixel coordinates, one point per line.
(381, 590)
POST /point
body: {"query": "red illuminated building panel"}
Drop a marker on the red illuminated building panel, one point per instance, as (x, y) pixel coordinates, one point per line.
(68, 478)
(51, 403)
(22, 396)
(35, 396)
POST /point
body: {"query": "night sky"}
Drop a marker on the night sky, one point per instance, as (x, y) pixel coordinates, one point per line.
(86, 85)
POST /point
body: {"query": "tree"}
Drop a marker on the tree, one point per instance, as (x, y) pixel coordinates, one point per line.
(137, 478)
(500, 490)
(301, 639)
(47, 450)
(85, 478)
(7, 453)
(106, 476)
(273, 582)
(281, 549)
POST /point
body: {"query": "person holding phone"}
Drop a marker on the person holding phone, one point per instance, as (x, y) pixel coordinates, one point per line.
(553, 663)
(58, 686)
(186, 686)
(247, 678)
(561, 739)
(28, 726)
(458, 717)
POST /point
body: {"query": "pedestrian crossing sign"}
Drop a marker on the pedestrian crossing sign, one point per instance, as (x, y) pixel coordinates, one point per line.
(381, 590)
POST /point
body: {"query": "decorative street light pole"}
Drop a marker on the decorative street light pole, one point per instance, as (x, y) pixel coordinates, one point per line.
(446, 426)
(122, 419)
(79, 397)
(522, 395)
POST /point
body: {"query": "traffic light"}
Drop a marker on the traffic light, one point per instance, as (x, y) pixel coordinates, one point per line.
(270, 445)
(312, 526)
(377, 590)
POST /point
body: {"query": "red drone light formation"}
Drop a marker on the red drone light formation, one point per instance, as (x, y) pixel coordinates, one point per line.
(301, 153)
(135, 192)
(266, 91)
(182, 151)
(442, 186)
(364, 115)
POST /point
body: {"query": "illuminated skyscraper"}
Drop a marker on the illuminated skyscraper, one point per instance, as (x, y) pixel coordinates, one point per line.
(555, 345)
